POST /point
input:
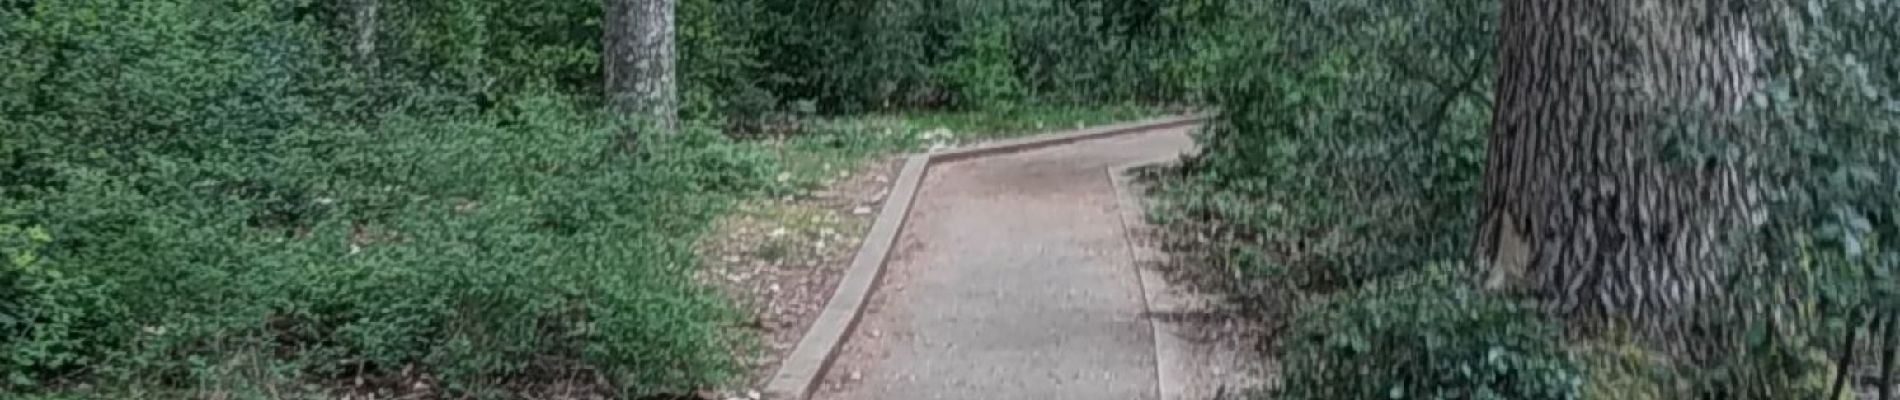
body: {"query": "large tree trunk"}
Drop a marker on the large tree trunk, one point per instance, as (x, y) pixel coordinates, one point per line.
(1582, 208)
(639, 61)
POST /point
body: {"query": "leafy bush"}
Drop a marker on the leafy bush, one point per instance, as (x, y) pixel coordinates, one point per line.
(180, 213)
(1832, 168)
(1629, 372)
(220, 197)
(1354, 155)
(982, 74)
(485, 252)
(1423, 335)
(43, 305)
(1350, 147)
(856, 55)
(1770, 368)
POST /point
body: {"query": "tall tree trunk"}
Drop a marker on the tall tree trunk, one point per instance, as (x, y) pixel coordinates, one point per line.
(1581, 207)
(639, 61)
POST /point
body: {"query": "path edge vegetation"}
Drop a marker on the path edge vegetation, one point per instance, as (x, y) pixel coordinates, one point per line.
(302, 199)
(306, 199)
(1335, 199)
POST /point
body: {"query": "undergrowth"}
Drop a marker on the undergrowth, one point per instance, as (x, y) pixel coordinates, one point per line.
(220, 199)
(1423, 335)
(829, 146)
(1348, 155)
(396, 254)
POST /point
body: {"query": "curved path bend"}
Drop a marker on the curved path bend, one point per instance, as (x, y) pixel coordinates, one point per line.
(1012, 279)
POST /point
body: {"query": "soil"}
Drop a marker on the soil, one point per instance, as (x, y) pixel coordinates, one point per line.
(780, 260)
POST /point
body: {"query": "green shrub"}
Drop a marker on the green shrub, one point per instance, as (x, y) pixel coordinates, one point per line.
(1349, 146)
(42, 306)
(486, 251)
(1628, 372)
(1424, 335)
(982, 74)
(213, 197)
(1770, 368)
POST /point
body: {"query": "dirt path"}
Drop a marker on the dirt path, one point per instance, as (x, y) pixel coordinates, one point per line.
(1012, 280)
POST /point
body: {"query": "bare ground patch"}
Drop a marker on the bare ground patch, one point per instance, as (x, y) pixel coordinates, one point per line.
(781, 259)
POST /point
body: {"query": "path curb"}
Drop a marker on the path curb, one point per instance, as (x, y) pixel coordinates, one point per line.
(798, 375)
(1154, 288)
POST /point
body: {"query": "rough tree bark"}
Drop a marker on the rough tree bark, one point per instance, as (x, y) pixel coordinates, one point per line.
(639, 61)
(1580, 207)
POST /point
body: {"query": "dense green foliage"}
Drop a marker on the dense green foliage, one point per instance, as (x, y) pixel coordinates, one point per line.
(191, 218)
(221, 198)
(877, 54)
(224, 196)
(1422, 335)
(1835, 164)
(1831, 163)
(743, 58)
(1357, 152)
(1350, 153)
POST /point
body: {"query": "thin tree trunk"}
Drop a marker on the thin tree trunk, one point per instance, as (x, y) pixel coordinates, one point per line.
(1580, 206)
(1847, 353)
(639, 62)
(365, 16)
(1887, 343)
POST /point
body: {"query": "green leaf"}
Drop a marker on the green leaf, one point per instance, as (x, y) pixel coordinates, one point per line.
(24, 259)
(38, 234)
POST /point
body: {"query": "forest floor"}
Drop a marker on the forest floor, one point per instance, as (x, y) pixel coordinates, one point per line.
(780, 259)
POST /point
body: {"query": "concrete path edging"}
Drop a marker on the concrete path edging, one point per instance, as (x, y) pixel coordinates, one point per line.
(1169, 360)
(798, 375)
(1041, 141)
(1189, 364)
